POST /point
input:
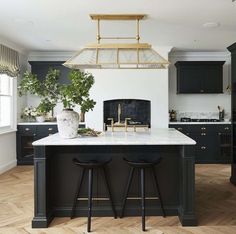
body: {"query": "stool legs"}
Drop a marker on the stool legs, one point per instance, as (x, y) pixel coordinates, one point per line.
(142, 172)
(127, 191)
(109, 191)
(77, 194)
(90, 192)
(158, 191)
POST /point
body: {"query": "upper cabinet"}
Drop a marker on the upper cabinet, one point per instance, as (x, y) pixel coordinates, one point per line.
(199, 76)
(40, 68)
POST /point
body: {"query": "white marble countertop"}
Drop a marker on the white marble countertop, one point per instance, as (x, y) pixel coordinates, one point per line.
(223, 122)
(43, 123)
(167, 136)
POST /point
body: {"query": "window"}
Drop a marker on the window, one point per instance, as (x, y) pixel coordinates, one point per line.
(7, 112)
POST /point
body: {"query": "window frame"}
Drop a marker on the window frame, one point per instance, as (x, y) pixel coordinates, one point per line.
(13, 91)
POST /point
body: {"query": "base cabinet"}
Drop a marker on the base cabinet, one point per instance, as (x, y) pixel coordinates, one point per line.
(213, 141)
(26, 135)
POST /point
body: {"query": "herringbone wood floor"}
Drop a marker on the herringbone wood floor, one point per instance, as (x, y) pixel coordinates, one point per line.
(215, 205)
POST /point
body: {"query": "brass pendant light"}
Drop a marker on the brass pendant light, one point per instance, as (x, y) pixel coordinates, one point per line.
(117, 56)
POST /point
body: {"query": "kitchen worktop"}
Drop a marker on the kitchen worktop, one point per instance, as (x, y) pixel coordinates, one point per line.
(178, 122)
(43, 123)
(166, 136)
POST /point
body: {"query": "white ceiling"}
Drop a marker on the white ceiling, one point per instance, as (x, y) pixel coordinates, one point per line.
(59, 25)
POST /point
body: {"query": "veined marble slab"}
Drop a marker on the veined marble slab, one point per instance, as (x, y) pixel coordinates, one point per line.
(167, 136)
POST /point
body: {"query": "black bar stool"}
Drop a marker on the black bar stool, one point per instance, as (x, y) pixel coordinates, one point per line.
(90, 166)
(141, 165)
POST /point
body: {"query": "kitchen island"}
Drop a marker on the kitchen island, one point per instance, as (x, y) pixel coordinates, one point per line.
(56, 176)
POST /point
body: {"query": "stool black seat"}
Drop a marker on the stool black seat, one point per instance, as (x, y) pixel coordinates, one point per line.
(90, 165)
(141, 165)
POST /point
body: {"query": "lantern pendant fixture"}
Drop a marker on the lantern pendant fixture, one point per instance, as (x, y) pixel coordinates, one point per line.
(119, 55)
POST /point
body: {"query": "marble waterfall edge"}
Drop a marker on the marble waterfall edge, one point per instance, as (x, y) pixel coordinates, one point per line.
(68, 123)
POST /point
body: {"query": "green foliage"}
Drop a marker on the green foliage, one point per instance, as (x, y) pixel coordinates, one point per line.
(31, 84)
(77, 92)
(51, 92)
(44, 107)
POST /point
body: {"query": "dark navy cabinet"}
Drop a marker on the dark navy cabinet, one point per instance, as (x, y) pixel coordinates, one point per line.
(40, 68)
(232, 49)
(26, 134)
(199, 76)
(213, 141)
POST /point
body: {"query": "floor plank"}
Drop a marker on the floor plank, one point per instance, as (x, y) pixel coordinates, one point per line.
(215, 207)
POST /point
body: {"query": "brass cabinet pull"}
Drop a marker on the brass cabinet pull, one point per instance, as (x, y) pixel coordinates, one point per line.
(34, 134)
(203, 128)
(201, 90)
(27, 129)
(179, 129)
(226, 128)
(219, 133)
(203, 147)
(50, 129)
(203, 134)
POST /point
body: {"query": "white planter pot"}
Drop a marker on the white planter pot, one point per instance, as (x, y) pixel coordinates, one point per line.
(40, 119)
(68, 123)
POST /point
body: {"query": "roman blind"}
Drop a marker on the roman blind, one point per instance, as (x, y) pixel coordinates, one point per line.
(9, 61)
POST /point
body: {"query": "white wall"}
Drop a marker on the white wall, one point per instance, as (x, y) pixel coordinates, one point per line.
(199, 102)
(8, 140)
(138, 84)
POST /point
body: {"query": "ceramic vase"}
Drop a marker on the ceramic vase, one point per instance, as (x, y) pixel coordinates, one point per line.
(40, 119)
(68, 123)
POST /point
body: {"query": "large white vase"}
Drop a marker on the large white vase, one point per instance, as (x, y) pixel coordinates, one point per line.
(68, 123)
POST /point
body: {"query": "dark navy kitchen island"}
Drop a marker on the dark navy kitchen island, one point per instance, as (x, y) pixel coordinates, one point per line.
(56, 176)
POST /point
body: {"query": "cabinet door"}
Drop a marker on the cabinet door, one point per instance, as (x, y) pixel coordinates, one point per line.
(212, 81)
(46, 130)
(199, 76)
(189, 79)
(25, 150)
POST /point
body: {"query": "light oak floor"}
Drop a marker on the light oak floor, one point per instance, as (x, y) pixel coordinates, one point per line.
(215, 206)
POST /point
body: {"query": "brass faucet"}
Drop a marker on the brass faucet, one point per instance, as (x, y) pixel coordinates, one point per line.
(112, 123)
(126, 123)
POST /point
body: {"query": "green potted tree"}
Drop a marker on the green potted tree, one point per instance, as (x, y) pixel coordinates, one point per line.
(75, 93)
(47, 90)
(51, 92)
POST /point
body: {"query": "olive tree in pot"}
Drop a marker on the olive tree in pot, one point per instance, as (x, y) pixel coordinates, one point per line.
(75, 93)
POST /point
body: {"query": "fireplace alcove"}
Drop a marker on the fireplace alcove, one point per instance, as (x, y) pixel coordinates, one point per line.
(138, 110)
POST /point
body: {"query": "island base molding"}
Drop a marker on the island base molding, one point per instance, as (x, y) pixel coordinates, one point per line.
(56, 180)
(233, 174)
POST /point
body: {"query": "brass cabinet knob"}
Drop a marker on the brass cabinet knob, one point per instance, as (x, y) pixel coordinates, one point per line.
(202, 91)
(180, 129)
(27, 129)
(50, 129)
(203, 128)
(226, 128)
(203, 134)
(203, 147)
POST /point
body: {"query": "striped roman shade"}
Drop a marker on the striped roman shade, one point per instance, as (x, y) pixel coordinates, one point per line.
(9, 61)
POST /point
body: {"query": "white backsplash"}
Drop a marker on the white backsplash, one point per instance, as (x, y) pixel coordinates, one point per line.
(201, 115)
